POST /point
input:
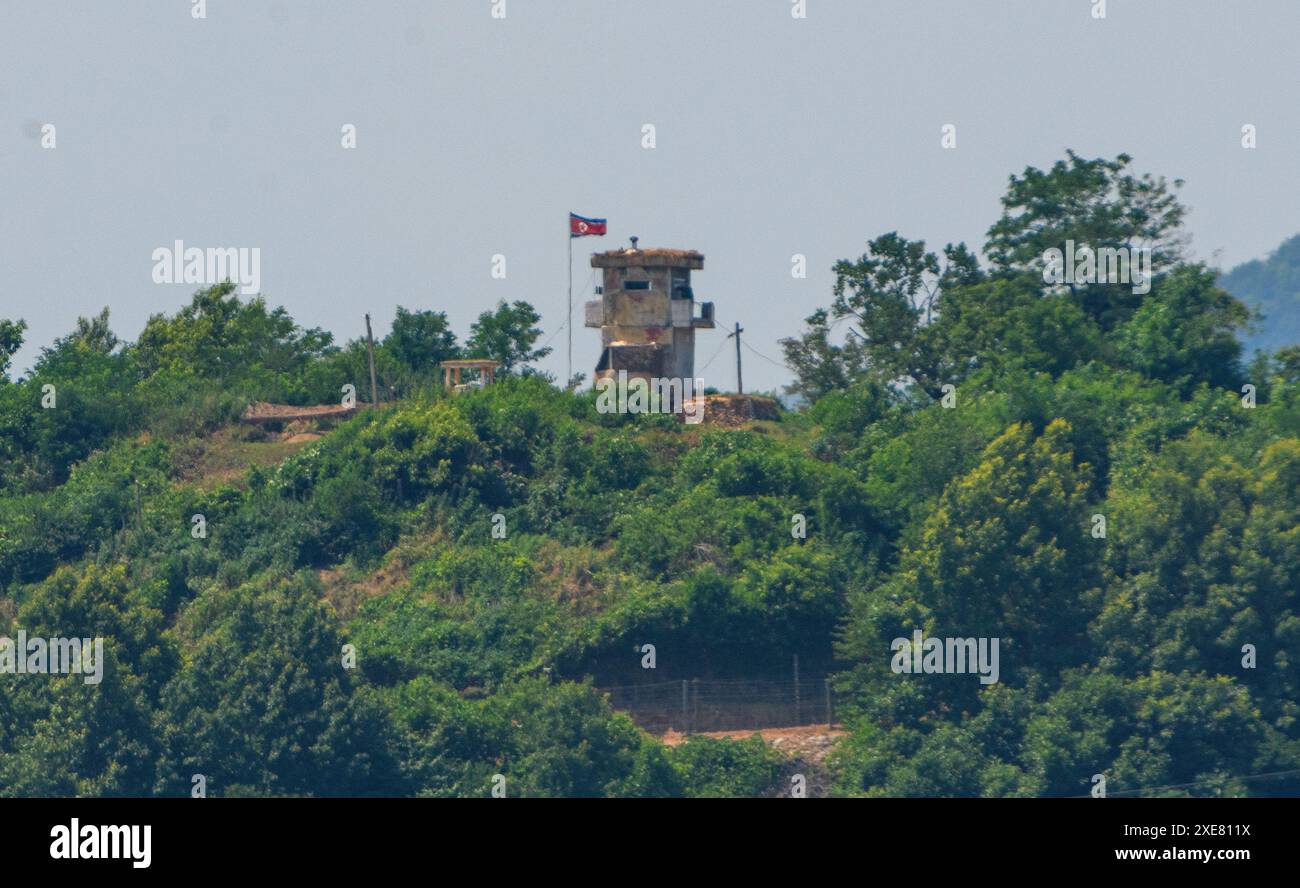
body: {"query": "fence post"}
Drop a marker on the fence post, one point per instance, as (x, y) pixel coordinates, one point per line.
(685, 722)
(695, 709)
(796, 689)
(830, 713)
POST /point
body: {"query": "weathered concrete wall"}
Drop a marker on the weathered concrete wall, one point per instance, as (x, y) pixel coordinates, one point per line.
(638, 308)
(649, 331)
(683, 354)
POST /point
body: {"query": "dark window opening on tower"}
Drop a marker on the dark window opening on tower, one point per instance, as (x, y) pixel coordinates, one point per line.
(636, 285)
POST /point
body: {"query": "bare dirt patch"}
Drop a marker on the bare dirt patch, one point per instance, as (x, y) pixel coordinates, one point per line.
(736, 411)
(346, 587)
(264, 412)
(227, 454)
(809, 742)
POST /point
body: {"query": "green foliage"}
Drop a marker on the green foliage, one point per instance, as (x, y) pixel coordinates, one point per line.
(1185, 334)
(1121, 656)
(263, 700)
(507, 335)
(421, 340)
(240, 345)
(1095, 202)
(1161, 654)
(928, 324)
(11, 339)
(1007, 324)
(711, 768)
(820, 365)
(531, 738)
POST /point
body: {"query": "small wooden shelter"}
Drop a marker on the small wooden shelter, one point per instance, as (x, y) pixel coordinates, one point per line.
(486, 368)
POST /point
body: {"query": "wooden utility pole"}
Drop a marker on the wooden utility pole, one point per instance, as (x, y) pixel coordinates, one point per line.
(740, 386)
(370, 347)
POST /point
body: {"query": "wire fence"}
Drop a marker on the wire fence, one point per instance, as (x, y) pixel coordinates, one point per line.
(696, 705)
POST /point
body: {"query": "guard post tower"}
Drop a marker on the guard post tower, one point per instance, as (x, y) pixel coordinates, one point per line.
(647, 312)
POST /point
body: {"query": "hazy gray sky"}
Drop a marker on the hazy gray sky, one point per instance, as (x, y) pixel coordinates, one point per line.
(477, 136)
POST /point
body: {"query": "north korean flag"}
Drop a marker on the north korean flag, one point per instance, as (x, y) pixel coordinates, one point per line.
(581, 226)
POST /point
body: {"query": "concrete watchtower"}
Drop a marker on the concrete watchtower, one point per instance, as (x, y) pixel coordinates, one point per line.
(646, 312)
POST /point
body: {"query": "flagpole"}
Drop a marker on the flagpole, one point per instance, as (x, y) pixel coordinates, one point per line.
(568, 382)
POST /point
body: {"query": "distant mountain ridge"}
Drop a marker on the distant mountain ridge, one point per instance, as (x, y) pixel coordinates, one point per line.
(1270, 286)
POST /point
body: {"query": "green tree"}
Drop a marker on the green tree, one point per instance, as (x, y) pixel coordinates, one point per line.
(543, 739)
(820, 366)
(1096, 203)
(894, 293)
(218, 338)
(713, 768)
(1005, 553)
(421, 340)
(11, 339)
(1185, 332)
(63, 736)
(92, 335)
(507, 335)
(264, 704)
(1008, 324)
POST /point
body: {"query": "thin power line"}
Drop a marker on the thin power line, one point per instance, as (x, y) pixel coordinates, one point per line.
(557, 332)
(721, 346)
(746, 344)
(766, 358)
(1198, 783)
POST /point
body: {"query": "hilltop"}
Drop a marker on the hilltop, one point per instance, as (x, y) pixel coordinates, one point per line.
(508, 590)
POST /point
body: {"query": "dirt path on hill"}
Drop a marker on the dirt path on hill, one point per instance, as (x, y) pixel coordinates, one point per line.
(810, 742)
